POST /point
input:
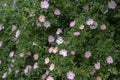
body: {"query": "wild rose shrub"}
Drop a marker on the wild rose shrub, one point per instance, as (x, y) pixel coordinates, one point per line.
(59, 40)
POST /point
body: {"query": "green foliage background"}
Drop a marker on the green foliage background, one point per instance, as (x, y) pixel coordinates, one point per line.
(100, 43)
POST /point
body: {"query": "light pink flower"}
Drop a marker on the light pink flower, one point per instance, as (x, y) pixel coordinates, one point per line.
(58, 31)
(47, 24)
(103, 27)
(35, 66)
(0, 62)
(44, 4)
(11, 54)
(5, 75)
(50, 50)
(97, 65)
(76, 33)
(112, 4)
(88, 54)
(47, 60)
(42, 18)
(57, 12)
(51, 39)
(63, 52)
(72, 23)
(70, 75)
(52, 66)
(36, 56)
(90, 22)
(59, 40)
(73, 52)
(50, 78)
(1, 43)
(109, 60)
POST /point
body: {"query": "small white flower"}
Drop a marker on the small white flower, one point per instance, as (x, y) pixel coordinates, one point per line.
(57, 12)
(58, 31)
(17, 33)
(70, 75)
(47, 60)
(11, 54)
(72, 23)
(1, 27)
(90, 22)
(50, 50)
(52, 66)
(47, 24)
(109, 60)
(55, 50)
(97, 65)
(42, 18)
(1, 43)
(81, 27)
(14, 27)
(59, 40)
(50, 78)
(87, 54)
(51, 39)
(63, 52)
(44, 4)
(112, 4)
(35, 66)
(4, 75)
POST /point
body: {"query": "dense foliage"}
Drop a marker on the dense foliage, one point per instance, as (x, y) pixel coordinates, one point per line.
(59, 40)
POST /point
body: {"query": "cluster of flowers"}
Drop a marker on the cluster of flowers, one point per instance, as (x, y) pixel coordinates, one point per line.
(63, 52)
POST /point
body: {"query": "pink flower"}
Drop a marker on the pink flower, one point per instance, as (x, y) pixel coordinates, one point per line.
(51, 39)
(1, 43)
(0, 62)
(57, 12)
(109, 60)
(58, 31)
(63, 52)
(97, 65)
(90, 22)
(72, 23)
(76, 33)
(36, 56)
(11, 54)
(73, 52)
(70, 75)
(44, 4)
(103, 27)
(42, 18)
(50, 50)
(47, 24)
(112, 4)
(88, 54)
(35, 66)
